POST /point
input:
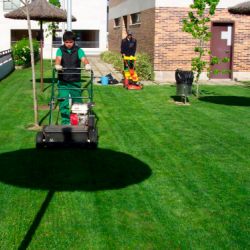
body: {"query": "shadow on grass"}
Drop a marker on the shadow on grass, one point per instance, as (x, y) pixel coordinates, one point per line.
(246, 84)
(227, 100)
(177, 98)
(71, 169)
(49, 79)
(45, 80)
(29, 235)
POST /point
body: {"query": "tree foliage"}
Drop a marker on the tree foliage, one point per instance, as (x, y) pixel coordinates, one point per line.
(52, 26)
(56, 3)
(197, 24)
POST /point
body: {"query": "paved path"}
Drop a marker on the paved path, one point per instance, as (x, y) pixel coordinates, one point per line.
(101, 68)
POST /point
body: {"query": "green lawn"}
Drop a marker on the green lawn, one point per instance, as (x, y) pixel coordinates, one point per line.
(165, 176)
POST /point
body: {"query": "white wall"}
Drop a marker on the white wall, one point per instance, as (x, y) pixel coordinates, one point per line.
(133, 6)
(7, 24)
(129, 7)
(185, 3)
(90, 15)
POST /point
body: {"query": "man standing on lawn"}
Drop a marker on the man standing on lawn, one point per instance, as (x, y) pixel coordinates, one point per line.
(68, 61)
(128, 48)
(128, 45)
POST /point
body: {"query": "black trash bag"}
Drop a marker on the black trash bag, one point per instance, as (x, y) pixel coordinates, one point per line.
(111, 79)
(184, 77)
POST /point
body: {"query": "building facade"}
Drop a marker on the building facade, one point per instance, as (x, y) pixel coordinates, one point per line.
(157, 25)
(90, 27)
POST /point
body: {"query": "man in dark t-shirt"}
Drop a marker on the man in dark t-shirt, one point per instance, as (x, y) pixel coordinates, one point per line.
(128, 45)
(68, 61)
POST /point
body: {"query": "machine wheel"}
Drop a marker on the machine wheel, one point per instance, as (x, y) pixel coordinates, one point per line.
(93, 138)
(126, 83)
(39, 140)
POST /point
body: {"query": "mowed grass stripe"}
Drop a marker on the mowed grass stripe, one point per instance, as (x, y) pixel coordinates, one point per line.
(189, 178)
(196, 196)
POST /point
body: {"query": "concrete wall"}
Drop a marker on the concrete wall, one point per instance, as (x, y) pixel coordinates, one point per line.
(7, 24)
(125, 7)
(90, 16)
(185, 3)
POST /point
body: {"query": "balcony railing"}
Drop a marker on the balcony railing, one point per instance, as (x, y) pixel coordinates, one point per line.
(6, 63)
(5, 56)
(81, 44)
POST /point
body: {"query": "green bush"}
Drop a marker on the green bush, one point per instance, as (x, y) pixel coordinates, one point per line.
(144, 68)
(21, 52)
(113, 58)
(107, 56)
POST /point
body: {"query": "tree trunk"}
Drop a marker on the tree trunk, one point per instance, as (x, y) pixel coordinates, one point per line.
(35, 106)
(197, 89)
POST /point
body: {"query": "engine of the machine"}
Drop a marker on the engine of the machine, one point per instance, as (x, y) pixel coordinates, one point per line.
(79, 114)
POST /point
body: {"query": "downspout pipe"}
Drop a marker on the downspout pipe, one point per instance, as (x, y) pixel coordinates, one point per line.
(69, 15)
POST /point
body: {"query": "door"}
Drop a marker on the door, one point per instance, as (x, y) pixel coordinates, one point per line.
(221, 47)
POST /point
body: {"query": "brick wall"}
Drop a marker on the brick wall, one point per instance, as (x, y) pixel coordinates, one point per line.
(173, 47)
(241, 49)
(143, 32)
(160, 35)
(114, 37)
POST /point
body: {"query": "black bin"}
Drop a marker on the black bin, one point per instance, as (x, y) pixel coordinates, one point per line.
(184, 80)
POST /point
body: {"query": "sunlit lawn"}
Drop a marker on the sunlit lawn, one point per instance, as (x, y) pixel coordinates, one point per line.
(165, 176)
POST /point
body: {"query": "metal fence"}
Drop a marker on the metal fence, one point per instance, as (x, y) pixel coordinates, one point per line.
(81, 44)
(6, 63)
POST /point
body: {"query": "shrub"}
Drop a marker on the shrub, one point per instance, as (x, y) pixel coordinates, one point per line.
(21, 52)
(107, 56)
(144, 67)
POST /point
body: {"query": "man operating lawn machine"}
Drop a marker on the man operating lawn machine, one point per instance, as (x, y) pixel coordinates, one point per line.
(78, 121)
(128, 49)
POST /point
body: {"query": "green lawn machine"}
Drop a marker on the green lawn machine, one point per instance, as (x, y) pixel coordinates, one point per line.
(82, 130)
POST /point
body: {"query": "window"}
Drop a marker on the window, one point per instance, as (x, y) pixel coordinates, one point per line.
(11, 4)
(17, 35)
(57, 38)
(135, 18)
(117, 22)
(84, 38)
(87, 38)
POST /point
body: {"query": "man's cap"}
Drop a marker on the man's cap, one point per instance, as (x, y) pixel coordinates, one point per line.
(130, 32)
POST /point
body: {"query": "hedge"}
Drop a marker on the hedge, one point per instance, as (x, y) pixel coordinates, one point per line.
(144, 67)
